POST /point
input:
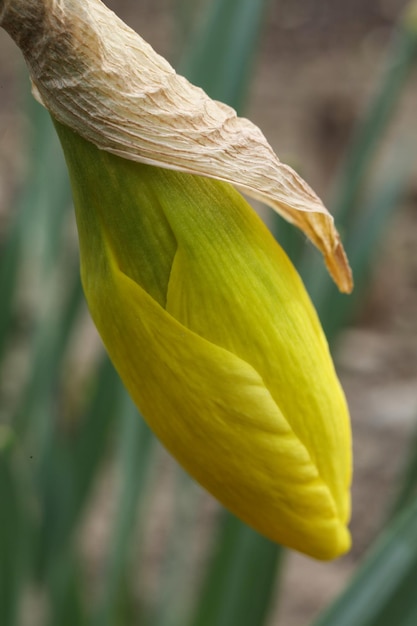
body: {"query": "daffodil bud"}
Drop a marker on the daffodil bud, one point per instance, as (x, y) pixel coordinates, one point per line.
(202, 313)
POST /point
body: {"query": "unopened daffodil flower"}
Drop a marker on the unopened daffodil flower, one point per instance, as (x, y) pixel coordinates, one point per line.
(202, 313)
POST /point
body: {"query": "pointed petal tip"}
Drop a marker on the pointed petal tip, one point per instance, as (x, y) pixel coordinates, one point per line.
(343, 542)
(334, 546)
(339, 268)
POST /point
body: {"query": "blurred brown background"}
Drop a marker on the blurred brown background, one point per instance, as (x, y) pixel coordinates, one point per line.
(318, 65)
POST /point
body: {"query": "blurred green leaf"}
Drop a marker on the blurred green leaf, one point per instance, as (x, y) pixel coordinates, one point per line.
(52, 333)
(383, 591)
(102, 413)
(46, 203)
(135, 457)
(241, 578)
(336, 310)
(408, 482)
(223, 50)
(65, 585)
(186, 14)
(75, 461)
(47, 193)
(9, 266)
(11, 518)
(34, 234)
(400, 61)
(177, 584)
(362, 218)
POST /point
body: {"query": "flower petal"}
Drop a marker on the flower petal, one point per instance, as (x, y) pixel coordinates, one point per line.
(260, 311)
(100, 78)
(215, 415)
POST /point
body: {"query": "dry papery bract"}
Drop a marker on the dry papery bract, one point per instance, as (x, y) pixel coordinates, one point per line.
(97, 76)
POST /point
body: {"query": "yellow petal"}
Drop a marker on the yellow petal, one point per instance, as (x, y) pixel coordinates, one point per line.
(100, 78)
(213, 412)
(260, 311)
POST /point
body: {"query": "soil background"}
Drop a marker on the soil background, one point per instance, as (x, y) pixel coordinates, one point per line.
(318, 66)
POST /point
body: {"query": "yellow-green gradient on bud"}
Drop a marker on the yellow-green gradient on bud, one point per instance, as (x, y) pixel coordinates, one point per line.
(214, 336)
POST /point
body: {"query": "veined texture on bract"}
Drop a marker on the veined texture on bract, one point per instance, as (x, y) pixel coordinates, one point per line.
(202, 313)
(101, 79)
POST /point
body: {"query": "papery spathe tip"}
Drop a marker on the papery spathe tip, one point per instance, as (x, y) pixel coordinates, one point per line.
(97, 76)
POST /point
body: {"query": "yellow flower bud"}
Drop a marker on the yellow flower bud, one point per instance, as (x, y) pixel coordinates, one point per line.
(214, 336)
(202, 313)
